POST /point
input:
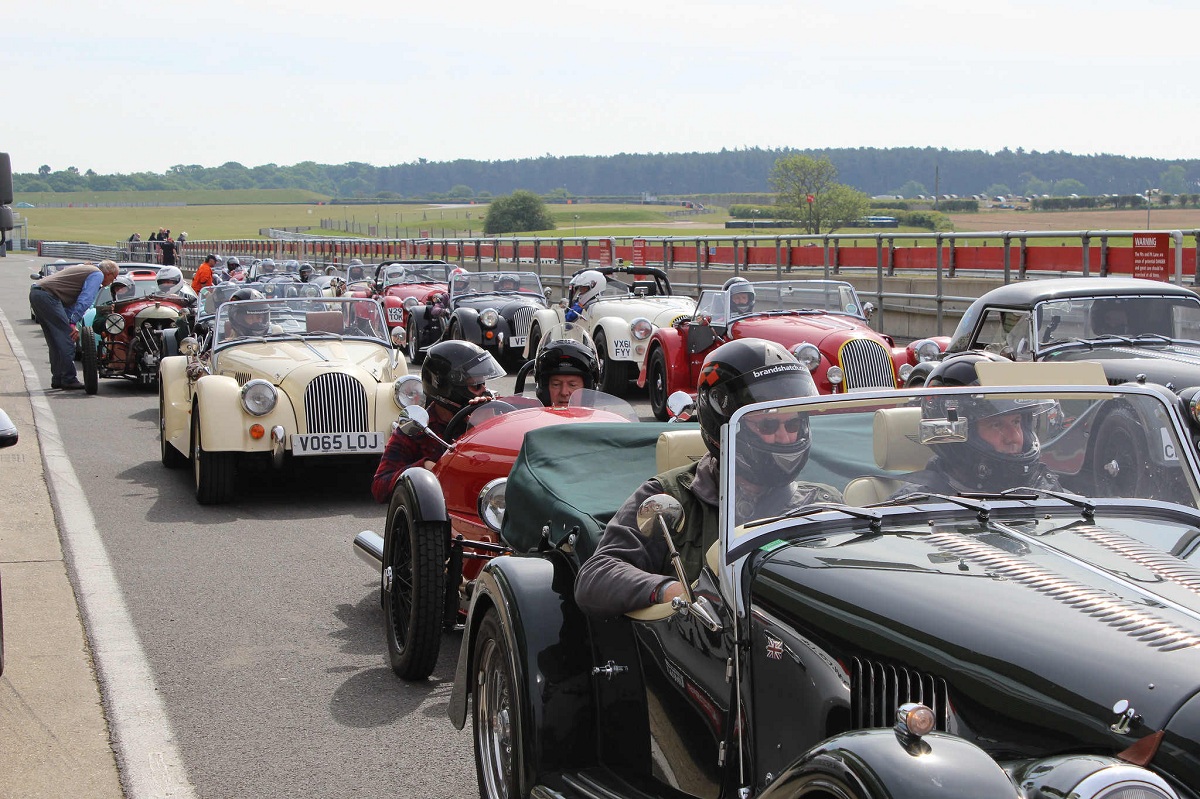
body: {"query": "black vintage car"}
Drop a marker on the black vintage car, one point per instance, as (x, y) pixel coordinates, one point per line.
(1138, 329)
(492, 309)
(1024, 645)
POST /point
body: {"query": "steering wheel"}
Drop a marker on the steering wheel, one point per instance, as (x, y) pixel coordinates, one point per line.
(458, 423)
(522, 374)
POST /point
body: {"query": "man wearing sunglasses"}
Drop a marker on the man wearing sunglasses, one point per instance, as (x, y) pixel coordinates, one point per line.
(454, 375)
(629, 571)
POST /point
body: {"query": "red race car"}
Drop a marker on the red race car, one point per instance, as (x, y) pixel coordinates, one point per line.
(822, 322)
(443, 524)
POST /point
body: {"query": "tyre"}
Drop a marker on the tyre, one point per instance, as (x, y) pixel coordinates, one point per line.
(497, 723)
(1121, 464)
(171, 457)
(213, 472)
(535, 338)
(657, 385)
(91, 373)
(412, 348)
(414, 589)
(614, 375)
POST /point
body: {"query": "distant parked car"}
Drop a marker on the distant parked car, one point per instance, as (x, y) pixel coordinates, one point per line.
(1137, 329)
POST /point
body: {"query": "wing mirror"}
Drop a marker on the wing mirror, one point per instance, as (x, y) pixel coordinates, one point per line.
(399, 336)
(680, 406)
(662, 514)
(413, 421)
(868, 310)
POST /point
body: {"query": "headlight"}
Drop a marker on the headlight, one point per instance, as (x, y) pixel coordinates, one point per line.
(905, 371)
(399, 336)
(926, 350)
(1091, 778)
(491, 503)
(489, 317)
(641, 329)
(408, 390)
(259, 397)
(114, 323)
(834, 375)
(807, 354)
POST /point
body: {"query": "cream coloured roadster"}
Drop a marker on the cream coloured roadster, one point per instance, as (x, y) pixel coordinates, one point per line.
(278, 379)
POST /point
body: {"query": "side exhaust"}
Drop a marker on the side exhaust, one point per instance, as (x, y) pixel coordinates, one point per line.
(369, 546)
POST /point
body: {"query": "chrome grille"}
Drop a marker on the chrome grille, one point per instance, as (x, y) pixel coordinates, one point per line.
(877, 689)
(522, 320)
(242, 378)
(866, 364)
(335, 403)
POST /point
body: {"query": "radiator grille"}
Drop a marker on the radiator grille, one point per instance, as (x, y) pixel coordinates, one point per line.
(866, 364)
(877, 689)
(335, 403)
(522, 320)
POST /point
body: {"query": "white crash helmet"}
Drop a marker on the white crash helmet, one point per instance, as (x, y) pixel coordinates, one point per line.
(585, 287)
(170, 280)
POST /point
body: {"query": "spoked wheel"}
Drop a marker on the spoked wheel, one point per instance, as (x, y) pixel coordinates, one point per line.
(414, 589)
(212, 472)
(1121, 464)
(656, 384)
(171, 457)
(91, 372)
(413, 348)
(614, 375)
(497, 721)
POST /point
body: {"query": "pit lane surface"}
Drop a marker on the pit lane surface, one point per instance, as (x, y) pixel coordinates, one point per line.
(260, 627)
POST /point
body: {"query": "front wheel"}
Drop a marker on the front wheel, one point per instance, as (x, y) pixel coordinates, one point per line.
(657, 384)
(213, 472)
(91, 372)
(497, 722)
(414, 589)
(614, 375)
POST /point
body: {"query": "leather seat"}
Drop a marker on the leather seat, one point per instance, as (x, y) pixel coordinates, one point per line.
(895, 433)
(680, 447)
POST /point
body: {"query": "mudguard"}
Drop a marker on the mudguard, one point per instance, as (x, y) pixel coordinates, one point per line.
(617, 338)
(534, 597)
(920, 373)
(425, 494)
(224, 425)
(467, 322)
(877, 764)
(177, 403)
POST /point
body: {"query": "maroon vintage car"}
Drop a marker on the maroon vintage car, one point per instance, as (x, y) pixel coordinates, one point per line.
(822, 322)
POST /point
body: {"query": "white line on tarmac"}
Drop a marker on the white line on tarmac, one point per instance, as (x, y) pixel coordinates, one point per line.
(151, 766)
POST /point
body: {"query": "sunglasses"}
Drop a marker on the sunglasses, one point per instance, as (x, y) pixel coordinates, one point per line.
(770, 425)
(477, 386)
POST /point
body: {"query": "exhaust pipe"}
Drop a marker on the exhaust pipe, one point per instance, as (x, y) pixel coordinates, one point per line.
(369, 546)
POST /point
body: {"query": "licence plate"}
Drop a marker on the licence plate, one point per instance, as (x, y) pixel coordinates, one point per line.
(336, 443)
(517, 341)
(395, 315)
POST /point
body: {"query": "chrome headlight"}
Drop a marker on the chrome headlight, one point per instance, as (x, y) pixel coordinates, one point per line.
(114, 323)
(259, 397)
(408, 390)
(491, 503)
(834, 375)
(640, 329)
(1082, 777)
(399, 336)
(807, 354)
(926, 350)
(489, 317)
(905, 370)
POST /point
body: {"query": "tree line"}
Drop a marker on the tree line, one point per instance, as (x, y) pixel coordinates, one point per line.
(899, 170)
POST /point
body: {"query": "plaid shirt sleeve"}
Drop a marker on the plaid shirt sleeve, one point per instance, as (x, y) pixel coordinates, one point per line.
(401, 452)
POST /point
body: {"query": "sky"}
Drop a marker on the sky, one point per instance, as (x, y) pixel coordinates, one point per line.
(123, 86)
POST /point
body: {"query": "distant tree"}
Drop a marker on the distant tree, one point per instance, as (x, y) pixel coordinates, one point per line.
(842, 206)
(1174, 180)
(1034, 187)
(1068, 186)
(998, 190)
(911, 189)
(799, 177)
(461, 191)
(520, 212)
(483, 194)
(44, 170)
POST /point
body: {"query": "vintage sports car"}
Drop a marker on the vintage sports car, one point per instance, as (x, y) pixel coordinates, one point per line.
(283, 379)
(396, 281)
(621, 319)
(1132, 327)
(129, 337)
(822, 322)
(494, 310)
(442, 523)
(1026, 644)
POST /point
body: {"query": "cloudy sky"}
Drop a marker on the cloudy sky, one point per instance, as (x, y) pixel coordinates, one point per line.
(126, 86)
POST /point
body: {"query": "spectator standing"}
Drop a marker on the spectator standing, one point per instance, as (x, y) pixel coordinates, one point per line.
(167, 246)
(60, 300)
(204, 272)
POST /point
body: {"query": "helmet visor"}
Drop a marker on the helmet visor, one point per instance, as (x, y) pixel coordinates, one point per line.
(480, 369)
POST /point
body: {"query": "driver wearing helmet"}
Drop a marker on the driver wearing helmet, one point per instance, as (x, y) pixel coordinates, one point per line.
(508, 282)
(122, 288)
(305, 271)
(460, 280)
(453, 376)
(1109, 316)
(563, 367)
(355, 270)
(741, 295)
(629, 571)
(170, 281)
(1002, 450)
(254, 320)
(266, 267)
(583, 290)
(233, 269)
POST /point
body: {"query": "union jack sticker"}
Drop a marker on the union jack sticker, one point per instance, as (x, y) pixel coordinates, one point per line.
(774, 647)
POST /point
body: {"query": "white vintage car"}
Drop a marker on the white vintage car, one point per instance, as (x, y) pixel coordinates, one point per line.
(620, 318)
(282, 378)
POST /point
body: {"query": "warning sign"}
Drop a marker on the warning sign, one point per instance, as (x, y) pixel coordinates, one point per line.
(639, 252)
(1150, 254)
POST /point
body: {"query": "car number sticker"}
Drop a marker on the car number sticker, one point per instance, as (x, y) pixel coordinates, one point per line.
(395, 315)
(622, 348)
(336, 443)
(517, 341)
(1169, 452)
